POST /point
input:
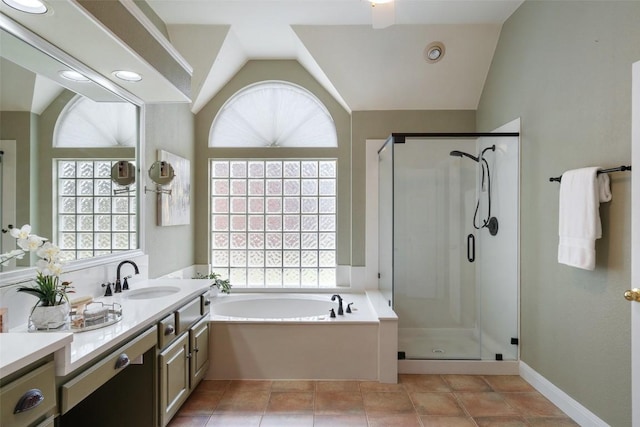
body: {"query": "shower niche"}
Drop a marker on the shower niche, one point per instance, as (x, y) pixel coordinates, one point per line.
(448, 243)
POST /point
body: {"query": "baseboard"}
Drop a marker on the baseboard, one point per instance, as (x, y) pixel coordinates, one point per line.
(562, 400)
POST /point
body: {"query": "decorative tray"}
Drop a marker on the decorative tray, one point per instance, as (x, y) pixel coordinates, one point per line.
(94, 315)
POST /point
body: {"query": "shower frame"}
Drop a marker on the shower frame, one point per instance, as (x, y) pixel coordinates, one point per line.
(400, 138)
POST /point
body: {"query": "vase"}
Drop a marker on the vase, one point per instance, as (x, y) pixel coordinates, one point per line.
(50, 317)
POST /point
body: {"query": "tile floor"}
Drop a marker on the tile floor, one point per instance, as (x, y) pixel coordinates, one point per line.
(417, 400)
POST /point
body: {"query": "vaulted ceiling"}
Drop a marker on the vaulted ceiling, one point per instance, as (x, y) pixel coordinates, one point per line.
(364, 68)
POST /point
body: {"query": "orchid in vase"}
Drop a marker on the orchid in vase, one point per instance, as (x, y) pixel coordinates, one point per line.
(49, 288)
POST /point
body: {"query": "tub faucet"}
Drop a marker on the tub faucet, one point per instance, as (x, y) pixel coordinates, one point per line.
(333, 298)
(118, 285)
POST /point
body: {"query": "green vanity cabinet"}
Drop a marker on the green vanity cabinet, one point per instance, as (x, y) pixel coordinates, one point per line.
(199, 342)
(30, 398)
(183, 357)
(174, 378)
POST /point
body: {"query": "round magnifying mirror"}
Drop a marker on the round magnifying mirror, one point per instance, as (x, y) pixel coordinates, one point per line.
(161, 172)
(123, 173)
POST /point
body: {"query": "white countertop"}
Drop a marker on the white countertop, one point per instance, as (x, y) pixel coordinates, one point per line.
(19, 349)
(76, 349)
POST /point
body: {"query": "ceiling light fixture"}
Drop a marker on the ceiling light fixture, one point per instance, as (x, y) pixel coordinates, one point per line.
(129, 76)
(434, 52)
(74, 76)
(36, 7)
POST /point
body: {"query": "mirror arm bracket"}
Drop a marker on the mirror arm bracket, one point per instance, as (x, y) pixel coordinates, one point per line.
(158, 190)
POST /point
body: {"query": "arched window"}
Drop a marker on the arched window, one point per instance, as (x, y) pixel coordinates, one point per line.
(273, 114)
(87, 123)
(273, 221)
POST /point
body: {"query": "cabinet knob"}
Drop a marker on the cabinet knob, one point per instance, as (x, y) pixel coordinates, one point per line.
(169, 330)
(123, 361)
(196, 349)
(29, 400)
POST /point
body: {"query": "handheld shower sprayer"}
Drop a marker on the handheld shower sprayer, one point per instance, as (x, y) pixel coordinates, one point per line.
(491, 222)
(456, 153)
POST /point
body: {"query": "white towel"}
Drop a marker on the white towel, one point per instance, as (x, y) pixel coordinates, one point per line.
(581, 191)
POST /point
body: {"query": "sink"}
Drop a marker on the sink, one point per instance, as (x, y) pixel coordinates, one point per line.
(150, 293)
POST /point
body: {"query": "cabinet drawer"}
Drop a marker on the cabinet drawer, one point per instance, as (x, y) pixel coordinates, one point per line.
(74, 391)
(206, 304)
(167, 330)
(36, 386)
(188, 315)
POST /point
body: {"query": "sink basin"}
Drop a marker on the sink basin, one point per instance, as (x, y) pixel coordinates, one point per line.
(150, 293)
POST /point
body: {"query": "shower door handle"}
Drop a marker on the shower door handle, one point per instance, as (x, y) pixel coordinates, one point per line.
(471, 248)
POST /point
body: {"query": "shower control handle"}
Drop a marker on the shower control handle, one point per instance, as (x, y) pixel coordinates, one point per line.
(471, 248)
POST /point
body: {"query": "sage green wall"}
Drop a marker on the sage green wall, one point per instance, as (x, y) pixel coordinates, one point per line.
(289, 71)
(169, 127)
(21, 127)
(380, 125)
(564, 67)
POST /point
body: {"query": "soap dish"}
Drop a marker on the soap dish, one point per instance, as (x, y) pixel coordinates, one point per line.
(95, 315)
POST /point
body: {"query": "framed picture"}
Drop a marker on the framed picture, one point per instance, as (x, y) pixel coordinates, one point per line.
(175, 208)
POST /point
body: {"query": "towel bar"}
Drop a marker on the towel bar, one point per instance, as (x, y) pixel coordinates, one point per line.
(618, 169)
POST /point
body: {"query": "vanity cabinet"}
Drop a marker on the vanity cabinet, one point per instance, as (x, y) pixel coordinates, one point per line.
(174, 378)
(183, 356)
(29, 400)
(122, 381)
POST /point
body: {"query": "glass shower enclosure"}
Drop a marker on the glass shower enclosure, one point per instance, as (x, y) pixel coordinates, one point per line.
(448, 243)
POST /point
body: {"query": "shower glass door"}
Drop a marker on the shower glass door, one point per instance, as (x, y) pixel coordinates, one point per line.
(435, 292)
(453, 256)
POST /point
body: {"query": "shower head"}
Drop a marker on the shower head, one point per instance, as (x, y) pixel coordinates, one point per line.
(457, 153)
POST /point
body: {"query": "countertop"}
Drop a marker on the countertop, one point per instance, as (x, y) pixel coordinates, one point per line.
(73, 350)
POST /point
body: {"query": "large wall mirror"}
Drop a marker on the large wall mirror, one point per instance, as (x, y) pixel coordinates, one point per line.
(61, 134)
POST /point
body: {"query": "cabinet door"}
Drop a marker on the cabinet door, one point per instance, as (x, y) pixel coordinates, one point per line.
(174, 378)
(199, 340)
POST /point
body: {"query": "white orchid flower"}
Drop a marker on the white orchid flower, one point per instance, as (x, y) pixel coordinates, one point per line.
(21, 233)
(6, 257)
(48, 251)
(49, 268)
(31, 243)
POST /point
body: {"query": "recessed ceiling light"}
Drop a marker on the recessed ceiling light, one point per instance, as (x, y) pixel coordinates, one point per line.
(434, 52)
(28, 6)
(129, 76)
(73, 75)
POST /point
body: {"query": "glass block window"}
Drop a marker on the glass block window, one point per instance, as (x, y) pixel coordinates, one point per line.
(273, 222)
(91, 220)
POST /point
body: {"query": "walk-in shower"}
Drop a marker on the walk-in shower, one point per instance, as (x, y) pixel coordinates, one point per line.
(449, 270)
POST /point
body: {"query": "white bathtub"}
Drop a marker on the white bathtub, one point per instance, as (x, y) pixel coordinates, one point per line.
(290, 307)
(292, 336)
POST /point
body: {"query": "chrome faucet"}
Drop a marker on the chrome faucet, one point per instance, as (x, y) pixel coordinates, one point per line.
(333, 298)
(123, 287)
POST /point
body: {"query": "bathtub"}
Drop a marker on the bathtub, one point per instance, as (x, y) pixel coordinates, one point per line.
(292, 336)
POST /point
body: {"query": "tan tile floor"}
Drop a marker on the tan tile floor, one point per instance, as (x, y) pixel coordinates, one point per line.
(417, 400)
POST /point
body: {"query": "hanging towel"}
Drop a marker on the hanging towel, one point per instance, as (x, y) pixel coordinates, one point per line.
(581, 191)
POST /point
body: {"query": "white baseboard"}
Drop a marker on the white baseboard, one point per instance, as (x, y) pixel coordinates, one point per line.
(562, 400)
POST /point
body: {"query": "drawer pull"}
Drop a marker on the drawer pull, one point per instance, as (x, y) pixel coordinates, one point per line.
(188, 355)
(196, 349)
(123, 361)
(207, 302)
(169, 330)
(29, 400)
